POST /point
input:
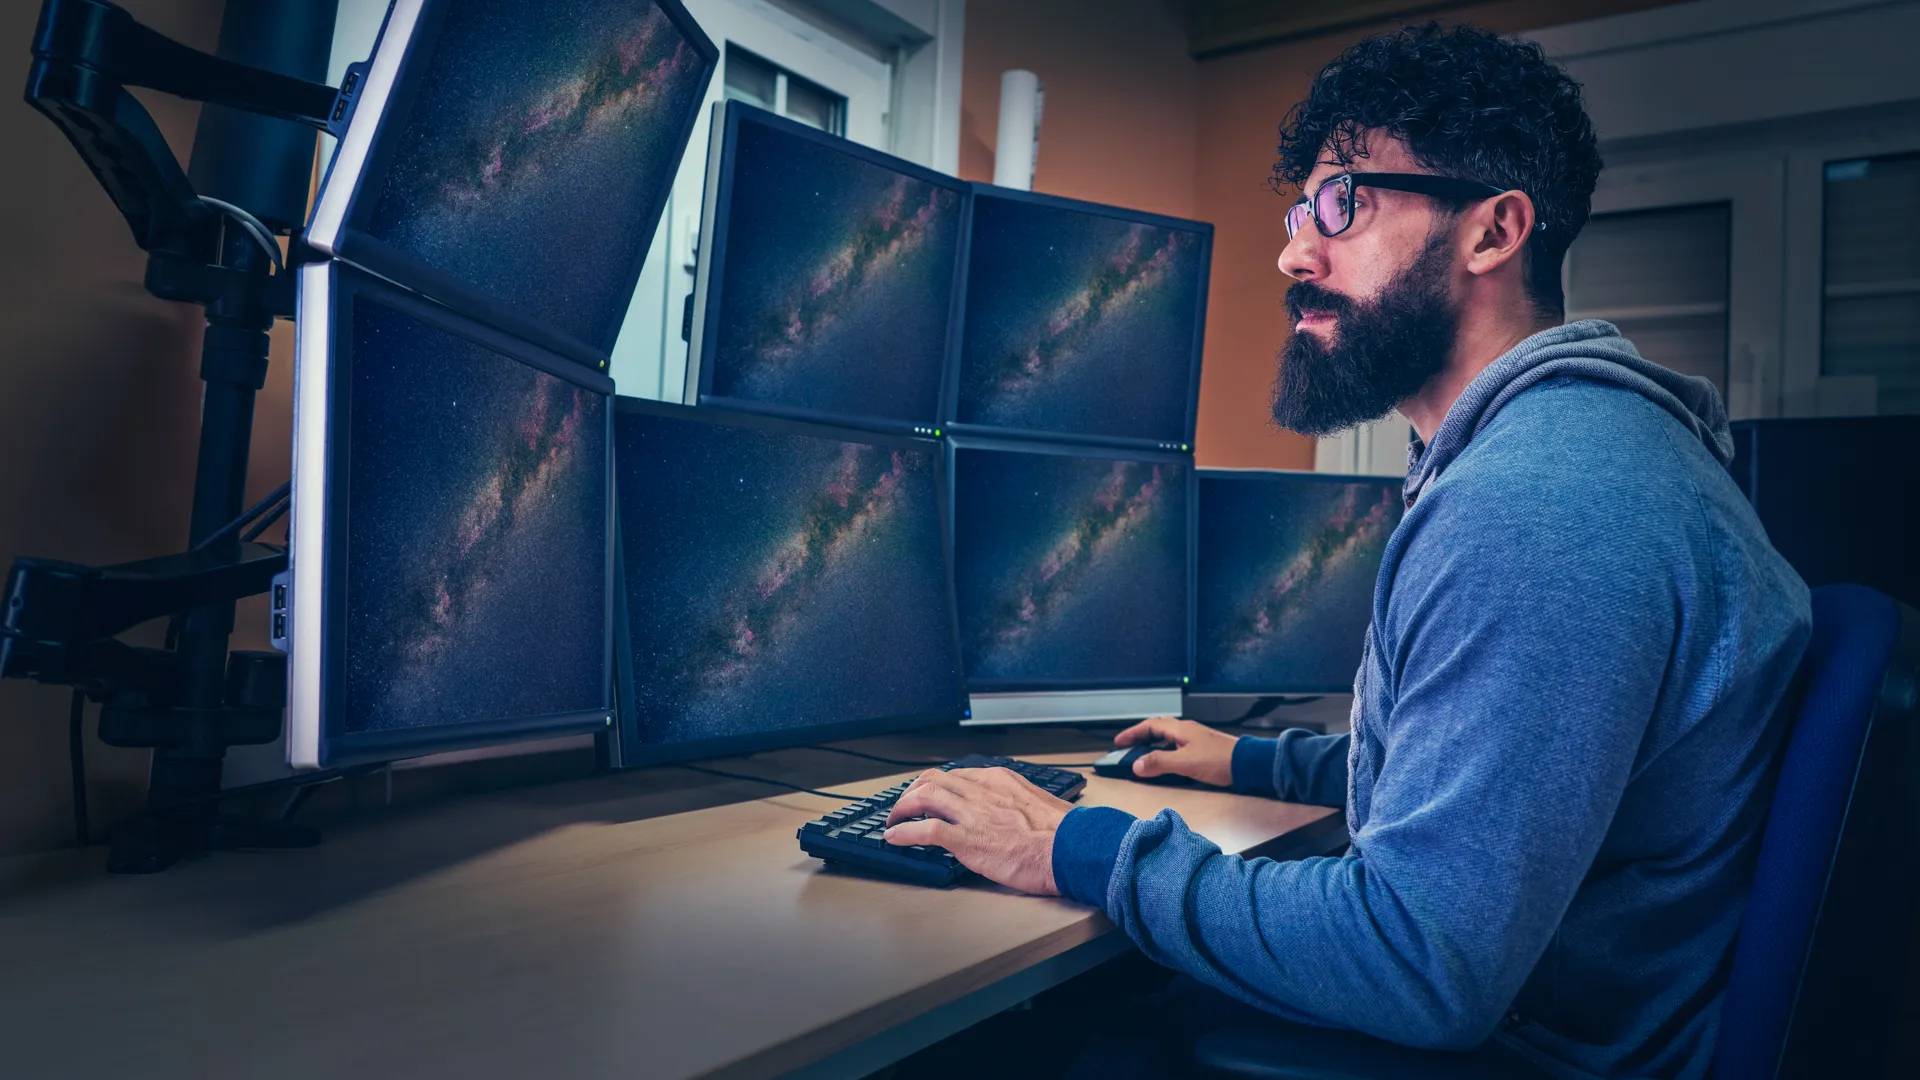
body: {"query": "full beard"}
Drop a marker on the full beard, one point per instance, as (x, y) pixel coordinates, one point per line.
(1382, 353)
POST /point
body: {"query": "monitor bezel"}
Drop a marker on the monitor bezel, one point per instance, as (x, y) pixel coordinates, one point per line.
(957, 347)
(322, 409)
(340, 218)
(630, 751)
(1201, 476)
(710, 270)
(1180, 681)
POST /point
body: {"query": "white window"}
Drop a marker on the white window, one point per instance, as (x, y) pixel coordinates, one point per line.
(1870, 296)
(1661, 276)
(771, 87)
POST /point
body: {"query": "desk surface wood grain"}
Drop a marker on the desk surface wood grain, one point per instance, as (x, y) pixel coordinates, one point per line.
(516, 935)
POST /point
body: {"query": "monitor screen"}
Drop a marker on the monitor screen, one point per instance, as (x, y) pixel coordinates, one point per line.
(515, 166)
(460, 525)
(1286, 577)
(784, 583)
(1071, 567)
(832, 278)
(1081, 321)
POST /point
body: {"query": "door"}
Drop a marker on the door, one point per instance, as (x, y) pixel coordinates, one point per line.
(772, 58)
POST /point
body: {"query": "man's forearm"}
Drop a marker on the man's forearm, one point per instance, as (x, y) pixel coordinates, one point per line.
(1299, 766)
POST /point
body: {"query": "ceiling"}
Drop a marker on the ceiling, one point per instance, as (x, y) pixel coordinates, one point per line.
(1222, 26)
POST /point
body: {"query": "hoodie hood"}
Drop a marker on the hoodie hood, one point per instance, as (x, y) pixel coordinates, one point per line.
(1588, 349)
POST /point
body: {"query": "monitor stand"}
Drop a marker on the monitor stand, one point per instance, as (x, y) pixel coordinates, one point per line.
(1073, 706)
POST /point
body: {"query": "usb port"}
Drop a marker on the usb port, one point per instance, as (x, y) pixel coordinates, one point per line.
(279, 627)
(279, 598)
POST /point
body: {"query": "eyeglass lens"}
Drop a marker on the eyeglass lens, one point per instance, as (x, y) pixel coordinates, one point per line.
(1332, 209)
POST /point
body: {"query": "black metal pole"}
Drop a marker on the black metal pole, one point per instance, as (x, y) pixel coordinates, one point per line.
(264, 166)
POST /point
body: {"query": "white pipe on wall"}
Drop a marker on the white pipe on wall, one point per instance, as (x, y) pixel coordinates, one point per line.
(1017, 148)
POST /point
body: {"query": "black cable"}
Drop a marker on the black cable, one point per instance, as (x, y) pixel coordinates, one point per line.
(279, 511)
(274, 505)
(777, 783)
(227, 531)
(872, 757)
(77, 764)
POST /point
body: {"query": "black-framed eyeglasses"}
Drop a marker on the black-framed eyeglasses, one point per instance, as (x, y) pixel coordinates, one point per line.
(1331, 207)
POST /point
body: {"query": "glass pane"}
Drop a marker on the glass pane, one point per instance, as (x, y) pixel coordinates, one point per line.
(1878, 336)
(814, 105)
(1688, 344)
(1871, 313)
(1661, 277)
(749, 78)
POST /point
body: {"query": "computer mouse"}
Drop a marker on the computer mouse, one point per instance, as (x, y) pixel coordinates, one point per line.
(1119, 765)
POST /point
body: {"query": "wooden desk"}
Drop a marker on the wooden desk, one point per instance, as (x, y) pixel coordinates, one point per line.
(551, 932)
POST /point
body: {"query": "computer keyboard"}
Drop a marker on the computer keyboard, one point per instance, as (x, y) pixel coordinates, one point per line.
(852, 836)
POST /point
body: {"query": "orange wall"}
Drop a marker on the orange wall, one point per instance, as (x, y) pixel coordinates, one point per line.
(1132, 120)
(1118, 126)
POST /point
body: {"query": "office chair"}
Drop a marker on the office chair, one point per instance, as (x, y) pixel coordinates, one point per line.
(1824, 946)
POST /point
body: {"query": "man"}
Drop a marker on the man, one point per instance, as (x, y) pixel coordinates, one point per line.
(1565, 719)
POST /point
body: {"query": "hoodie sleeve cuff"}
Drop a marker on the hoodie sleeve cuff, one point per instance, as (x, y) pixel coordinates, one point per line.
(1253, 761)
(1085, 849)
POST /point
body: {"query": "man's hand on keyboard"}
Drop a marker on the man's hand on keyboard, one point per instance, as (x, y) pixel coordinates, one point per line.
(994, 821)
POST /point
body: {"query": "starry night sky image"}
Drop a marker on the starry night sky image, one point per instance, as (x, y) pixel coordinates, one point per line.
(778, 580)
(1286, 575)
(539, 143)
(837, 284)
(476, 569)
(1070, 567)
(1078, 323)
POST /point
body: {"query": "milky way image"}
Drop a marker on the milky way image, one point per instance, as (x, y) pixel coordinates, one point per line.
(1078, 323)
(838, 282)
(1286, 575)
(777, 580)
(1070, 568)
(476, 512)
(537, 150)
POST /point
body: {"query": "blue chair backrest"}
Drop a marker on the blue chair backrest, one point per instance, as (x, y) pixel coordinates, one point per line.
(1818, 969)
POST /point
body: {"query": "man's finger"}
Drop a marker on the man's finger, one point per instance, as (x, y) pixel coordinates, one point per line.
(931, 800)
(1159, 727)
(926, 777)
(1153, 764)
(925, 831)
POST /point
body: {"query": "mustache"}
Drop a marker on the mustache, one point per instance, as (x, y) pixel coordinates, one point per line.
(1312, 298)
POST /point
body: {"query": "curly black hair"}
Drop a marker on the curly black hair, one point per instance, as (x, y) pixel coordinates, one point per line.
(1466, 103)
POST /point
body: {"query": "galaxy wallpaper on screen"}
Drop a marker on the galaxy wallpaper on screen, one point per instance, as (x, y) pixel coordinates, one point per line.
(537, 149)
(1070, 567)
(476, 517)
(778, 581)
(1286, 575)
(837, 283)
(1078, 323)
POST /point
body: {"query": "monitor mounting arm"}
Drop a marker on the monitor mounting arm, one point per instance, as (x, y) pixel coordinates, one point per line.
(190, 700)
(87, 54)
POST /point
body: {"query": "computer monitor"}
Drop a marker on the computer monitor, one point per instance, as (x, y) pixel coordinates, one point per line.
(1287, 567)
(827, 282)
(785, 583)
(1080, 322)
(451, 562)
(1073, 572)
(1820, 486)
(512, 159)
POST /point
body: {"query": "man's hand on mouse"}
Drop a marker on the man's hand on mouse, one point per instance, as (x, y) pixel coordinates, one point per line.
(1199, 751)
(994, 821)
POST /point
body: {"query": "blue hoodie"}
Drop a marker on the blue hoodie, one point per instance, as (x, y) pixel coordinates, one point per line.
(1563, 744)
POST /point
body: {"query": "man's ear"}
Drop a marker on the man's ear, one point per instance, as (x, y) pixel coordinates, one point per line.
(1495, 231)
